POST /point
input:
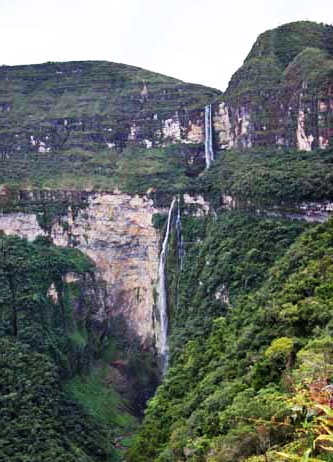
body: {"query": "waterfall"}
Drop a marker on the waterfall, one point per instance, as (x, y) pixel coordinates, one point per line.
(209, 153)
(162, 304)
(180, 242)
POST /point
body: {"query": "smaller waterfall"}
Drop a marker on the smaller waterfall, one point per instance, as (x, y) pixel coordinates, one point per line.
(162, 303)
(209, 153)
(180, 242)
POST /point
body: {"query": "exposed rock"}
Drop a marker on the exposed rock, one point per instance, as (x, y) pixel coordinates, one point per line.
(222, 127)
(222, 295)
(53, 293)
(116, 232)
(89, 105)
(283, 94)
(21, 224)
(304, 143)
(196, 205)
(171, 130)
(195, 132)
(313, 212)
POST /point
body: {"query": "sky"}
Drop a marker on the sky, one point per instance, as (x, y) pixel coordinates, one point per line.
(200, 41)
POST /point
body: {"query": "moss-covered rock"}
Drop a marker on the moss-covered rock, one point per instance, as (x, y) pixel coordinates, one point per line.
(281, 95)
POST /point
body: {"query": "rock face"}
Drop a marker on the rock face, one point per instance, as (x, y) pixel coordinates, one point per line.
(312, 212)
(57, 117)
(283, 94)
(85, 114)
(116, 232)
(94, 106)
(24, 225)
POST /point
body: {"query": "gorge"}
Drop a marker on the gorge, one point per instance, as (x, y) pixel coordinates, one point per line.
(164, 243)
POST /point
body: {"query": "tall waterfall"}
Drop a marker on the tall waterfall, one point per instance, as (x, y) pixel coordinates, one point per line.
(162, 303)
(180, 242)
(209, 153)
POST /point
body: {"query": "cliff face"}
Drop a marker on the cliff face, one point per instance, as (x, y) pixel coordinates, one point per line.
(115, 231)
(283, 93)
(109, 125)
(60, 107)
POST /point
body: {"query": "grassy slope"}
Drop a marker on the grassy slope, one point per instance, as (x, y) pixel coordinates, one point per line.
(270, 177)
(136, 170)
(264, 67)
(77, 109)
(92, 88)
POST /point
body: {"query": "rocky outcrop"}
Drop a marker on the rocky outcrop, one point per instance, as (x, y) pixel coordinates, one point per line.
(196, 205)
(283, 94)
(115, 231)
(312, 212)
(20, 224)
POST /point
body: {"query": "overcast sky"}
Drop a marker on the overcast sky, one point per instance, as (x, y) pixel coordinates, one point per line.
(201, 41)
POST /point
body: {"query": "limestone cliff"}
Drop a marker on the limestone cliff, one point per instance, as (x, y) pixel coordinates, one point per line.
(116, 232)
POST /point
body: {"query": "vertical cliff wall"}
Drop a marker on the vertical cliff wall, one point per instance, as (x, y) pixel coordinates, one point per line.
(283, 94)
(115, 231)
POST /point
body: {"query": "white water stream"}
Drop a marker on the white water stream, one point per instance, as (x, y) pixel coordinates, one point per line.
(209, 153)
(162, 303)
(180, 242)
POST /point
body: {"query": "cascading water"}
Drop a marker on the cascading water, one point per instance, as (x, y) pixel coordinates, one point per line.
(162, 304)
(180, 242)
(209, 153)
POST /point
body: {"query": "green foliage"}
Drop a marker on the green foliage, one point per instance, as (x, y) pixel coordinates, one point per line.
(291, 44)
(289, 69)
(84, 112)
(38, 423)
(28, 312)
(134, 170)
(225, 258)
(42, 342)
(270, 177)
(309, 65)
(287, 41)
(280, 347)
(100, 400)
(231, 388)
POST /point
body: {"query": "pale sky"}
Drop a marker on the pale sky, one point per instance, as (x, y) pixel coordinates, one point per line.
(201, 41)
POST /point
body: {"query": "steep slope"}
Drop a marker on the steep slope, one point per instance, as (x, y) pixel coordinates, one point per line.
(92, 156)
(282, 95)
(251, 344)
(80, 116)
(47, 303)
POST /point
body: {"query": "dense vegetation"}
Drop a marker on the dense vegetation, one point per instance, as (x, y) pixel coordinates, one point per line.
(44, 343)
(275, 50)
(250, 310)
(251, 343)
(270, 177)
(262, 176)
